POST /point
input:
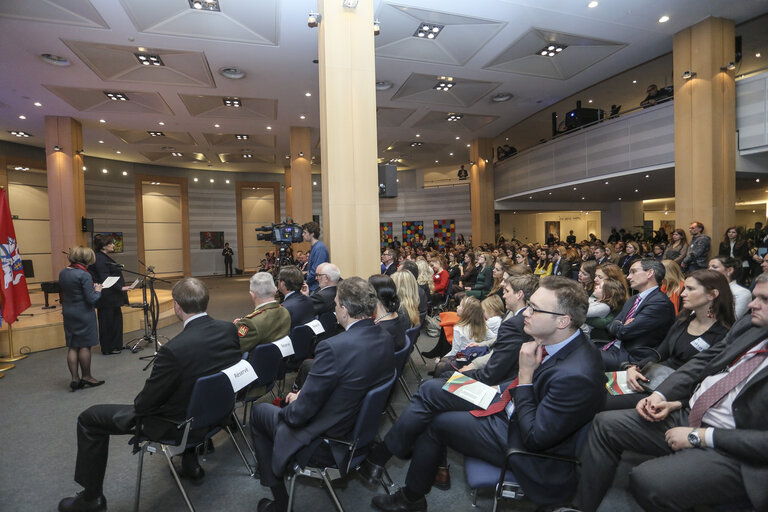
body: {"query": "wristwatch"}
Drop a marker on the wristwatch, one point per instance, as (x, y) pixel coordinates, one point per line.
(694, 438)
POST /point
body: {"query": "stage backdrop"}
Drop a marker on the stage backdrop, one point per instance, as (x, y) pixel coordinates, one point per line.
(444, 231)
(411, 228)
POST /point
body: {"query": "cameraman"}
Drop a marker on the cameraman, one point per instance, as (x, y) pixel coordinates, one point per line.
(317, 254)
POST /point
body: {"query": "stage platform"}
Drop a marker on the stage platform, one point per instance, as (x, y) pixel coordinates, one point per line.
(42, 329)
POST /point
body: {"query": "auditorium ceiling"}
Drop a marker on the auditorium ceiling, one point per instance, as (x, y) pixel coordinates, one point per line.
(162, 82)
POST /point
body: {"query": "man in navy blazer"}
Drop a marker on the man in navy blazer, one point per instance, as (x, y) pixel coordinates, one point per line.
(644, 320)
(556, 393)
(202, 348)
(346, 367)
(300, 307)
(328, 276)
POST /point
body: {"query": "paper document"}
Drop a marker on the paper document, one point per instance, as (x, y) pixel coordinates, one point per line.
(109, 281)
(316, 326)
(617, 384)
(472, 391)
(285, 345)
(135, 283)
(240, 374)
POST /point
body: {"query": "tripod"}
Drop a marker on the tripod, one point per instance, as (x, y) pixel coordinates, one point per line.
(151, 315)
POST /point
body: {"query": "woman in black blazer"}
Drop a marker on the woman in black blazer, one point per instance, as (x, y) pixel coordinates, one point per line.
(632, 255)
(734, 245)
(108, 308)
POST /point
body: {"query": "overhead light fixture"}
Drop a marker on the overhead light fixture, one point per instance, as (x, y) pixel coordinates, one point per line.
(376, 27)
(664, 19)
(175, 153)
(195, 180)
(211, 180)
(226, 181)
(552, 49)
(501, 97)
(161, 123)
(37, 104)
(232, 102)
(241, 136)
(301, 153)
(102, 121)
(54, 60)
(232, 73)
(758, 55)
(416, 144)
(125, 173)
(19, 133)
(149, 59)
(247, 155)
(729, 67)
(269, 127)
(101, 142)
(302, 116)
(307, 94)
(383, 85)
(116, 96)
(593, 4)
(217, 125)
(350, 4)
(205, 5)
(156, 134)
(105, 171)
(687, 75)
(428, 30)
(445, 83)
(118, 151)
(20, 168)
(452, 117)
(313, 20)
(22, 117)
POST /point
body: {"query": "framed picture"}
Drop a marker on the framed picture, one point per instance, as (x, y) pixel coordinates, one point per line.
(444, 231)
(551, 229)
(211, 239)
(385, 232)
(117, 236)
(411, 228)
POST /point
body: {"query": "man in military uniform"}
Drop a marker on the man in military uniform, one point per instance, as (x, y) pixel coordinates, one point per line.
(269, 320)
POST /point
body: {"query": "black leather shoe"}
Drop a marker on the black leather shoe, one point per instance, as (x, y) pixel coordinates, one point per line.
(370, 472)
(78, 503)
(398, 503)
(267, 505)
(191, 469)
(442, 478)
(89, 384)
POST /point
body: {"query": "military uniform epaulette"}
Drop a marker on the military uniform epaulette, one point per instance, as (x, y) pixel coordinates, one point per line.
(259, 311)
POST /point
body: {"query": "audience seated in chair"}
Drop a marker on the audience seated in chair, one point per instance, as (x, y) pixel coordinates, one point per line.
(328, 276)
(299, 306)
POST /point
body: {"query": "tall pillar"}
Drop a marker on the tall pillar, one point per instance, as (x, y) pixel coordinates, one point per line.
(66, 187)
(481, 191)
(299, 179)
(348, 134)
(705, 127)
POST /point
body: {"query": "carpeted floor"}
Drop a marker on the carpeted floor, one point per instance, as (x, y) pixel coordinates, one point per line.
(37, 427)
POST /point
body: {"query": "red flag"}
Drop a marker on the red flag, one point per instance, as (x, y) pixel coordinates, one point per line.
(13, 289)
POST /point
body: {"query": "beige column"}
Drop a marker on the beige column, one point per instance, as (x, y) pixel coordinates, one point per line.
(348, 134)
(481, 191)
(705, 127)
(299, 180)
(66, 187)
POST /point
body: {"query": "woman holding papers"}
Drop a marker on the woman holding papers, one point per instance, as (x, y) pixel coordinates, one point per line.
(78, 296)
(112, 299)
(470, 328)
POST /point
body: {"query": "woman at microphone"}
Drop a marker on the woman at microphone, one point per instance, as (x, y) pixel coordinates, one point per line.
(108, 307)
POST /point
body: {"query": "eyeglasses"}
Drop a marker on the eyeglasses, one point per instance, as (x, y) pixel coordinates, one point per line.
(537, 310)
(320, 275)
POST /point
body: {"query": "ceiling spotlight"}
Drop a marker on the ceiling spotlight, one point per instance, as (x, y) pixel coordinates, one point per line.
(101, 142)
(20, 168)
(428, 30)
(302, 116)
(22, 117)
(232, 73)
(104, 171)
(307, 94)
(161, 123)
(247, 155)
(757, 180)
(241, 136)
(728, 67)
(458, 137)
(102, 121)
(501, 97)
(226, 181)
(194, 179)
(593, 4)
(376, 27)
(445, 84)
(156, 134)
(175, 153)
(301, 153)
(664, 19)
(314, 183)
(453, 117)
(687, 75)
(125, 173)
(758, 55)
(232, 102)
(416, 144)
(313, 20)
(54, 60)
(211, 180)
(19, 133)
(205, 5)
(551, 49)
(118, 151)
(149, 59)
(383, 85)
(37, 104)
(116, 96)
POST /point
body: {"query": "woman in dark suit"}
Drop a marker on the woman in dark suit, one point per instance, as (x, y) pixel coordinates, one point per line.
(734, 245)
(78, 296)
(631, 256)
(484, 281)
(108, 308)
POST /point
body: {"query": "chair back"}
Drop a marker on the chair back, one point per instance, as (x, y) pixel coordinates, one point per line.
(412, 335)
(212, 401)
(267, 361)
(422, 316)
(401, 356)
(367, 424)
(329, 323)
(302, 338)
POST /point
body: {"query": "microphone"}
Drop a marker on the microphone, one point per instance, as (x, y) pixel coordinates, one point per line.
(120, 265)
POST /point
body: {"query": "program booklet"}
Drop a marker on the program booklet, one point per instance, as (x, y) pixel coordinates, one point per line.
(471, 390)
(617, 384)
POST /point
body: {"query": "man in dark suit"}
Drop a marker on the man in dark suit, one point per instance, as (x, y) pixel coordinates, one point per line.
(328, 277)
(345, 368)
(555, 394)
(300, 307)
(205, 346)
(644, 320)
(558, 268)
(600, 256)
(388, 262)
(705, 424)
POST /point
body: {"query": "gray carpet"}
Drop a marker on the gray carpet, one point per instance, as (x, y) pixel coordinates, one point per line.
(37, 425)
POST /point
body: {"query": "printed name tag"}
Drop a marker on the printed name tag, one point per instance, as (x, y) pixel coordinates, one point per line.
(240, 375)
(316, 326)
(285, 346)
(699, 344)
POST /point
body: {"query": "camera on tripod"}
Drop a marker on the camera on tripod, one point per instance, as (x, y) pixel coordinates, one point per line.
(282, 233)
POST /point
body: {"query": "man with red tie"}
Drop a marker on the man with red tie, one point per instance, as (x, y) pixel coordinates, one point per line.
(706, 424)
(560, 387)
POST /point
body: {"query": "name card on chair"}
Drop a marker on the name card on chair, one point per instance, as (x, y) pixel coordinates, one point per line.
(316, 326)
(285, 345)
(240, 374)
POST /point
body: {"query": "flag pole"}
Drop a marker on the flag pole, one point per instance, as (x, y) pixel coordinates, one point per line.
(11, 358)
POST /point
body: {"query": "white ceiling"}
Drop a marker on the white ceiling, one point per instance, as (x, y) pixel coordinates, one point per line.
(486, 46)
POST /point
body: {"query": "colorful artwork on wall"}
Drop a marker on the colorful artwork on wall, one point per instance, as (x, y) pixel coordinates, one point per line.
(211, 239)
(386, 234)
(117, 236)
(445, 231)
(412, 228)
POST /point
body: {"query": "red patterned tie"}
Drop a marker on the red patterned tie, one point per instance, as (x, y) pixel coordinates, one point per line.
(630, 314)
(722, 387)
(506, 397)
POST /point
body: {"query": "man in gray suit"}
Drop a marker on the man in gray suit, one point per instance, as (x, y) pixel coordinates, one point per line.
(706, 424)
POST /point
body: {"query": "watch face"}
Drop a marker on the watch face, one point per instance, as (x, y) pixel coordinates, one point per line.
(694, 439)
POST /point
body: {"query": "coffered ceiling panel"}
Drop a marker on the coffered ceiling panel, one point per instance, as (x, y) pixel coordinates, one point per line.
(457, 41)
(464, 93)
(145, 137)
(386, 116)
(231, 139)
(439, 121)
(213, 106)
(579, 53)
(95, 100)
(68, 12)
(120, 64)
(243, 22)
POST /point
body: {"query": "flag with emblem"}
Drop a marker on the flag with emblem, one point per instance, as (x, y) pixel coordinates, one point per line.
(13, 290)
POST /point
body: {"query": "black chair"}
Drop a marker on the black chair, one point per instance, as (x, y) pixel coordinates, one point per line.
(401, 358)
(481, 474)
(329, 323)
(210, 407)
(413, 334)
(303, 341)
(267, 362)
(363, 435)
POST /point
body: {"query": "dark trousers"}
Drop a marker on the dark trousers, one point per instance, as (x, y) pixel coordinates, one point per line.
(264, 423)
(94, 426)
(228, 267)
(613, 357)
(110, 328)
(672, 481)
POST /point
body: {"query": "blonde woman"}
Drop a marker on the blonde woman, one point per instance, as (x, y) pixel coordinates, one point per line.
(425, 280)
(673, 282)
(408, 293)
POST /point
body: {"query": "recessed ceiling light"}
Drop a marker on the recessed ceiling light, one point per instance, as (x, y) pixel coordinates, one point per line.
(105, 171)
(582, 197)
(19, 133)
(418, 135)
(606, 182)
(637, 190)
(211, 180)
(469, 145)
(416, 144)
(647, 175)
(287, 157)
(383, 85)
(116, 96)
(232, 73)
(450, 154)
(176, 153)
(574, 188)
(101, 142)
(664, 19)
(20, 168)
(593, 4)
(161, 123)
(232, 102)
(125, 173)
(445, 84)
(37, 104)
(757, 180)
(634, 81)
(217, 125)
(551, 49)
(457, 137)
(204, 5)
(194, 179)
(302, 116)
(156, 134)
(501, 97)
(452, 117)
(85, 168)
(22, 117)
(314, 183)
(102, 121)
(54, 60)
(590, 101)
(437, 161)
(758, 55)
(118, 151)
(241, 136)
(247, 155)
(149, 59)
(428, 30)
(226, 181)
(269, 127)
(307, 94)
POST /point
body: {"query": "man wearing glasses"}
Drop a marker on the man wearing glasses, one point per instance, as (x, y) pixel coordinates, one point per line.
(327, 276)
(559, 389)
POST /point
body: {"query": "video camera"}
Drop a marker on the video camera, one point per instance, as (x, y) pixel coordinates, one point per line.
(282, 233)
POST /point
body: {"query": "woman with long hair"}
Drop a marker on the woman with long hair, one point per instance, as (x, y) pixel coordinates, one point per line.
(387, 306)
(731, 268)
(673, 282)
(440, 280)
(574, 259)
(677, 248)
(611, 271)
(605, 303)
(631, 255)
(734, 245)
(470, 328)
(587, 276)
(425, 280)
(484, 281)
(469, 270)
(501, 270)
(543, 265)
(408, 293)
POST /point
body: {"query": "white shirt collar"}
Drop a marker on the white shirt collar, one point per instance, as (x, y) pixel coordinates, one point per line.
(193, 317)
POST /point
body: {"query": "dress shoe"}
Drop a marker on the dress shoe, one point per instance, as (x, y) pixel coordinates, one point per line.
(398, 503)
(78, 503)
(442, 478)
(191, 469)
(267, 505)
(370, 472)
(89, 384)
